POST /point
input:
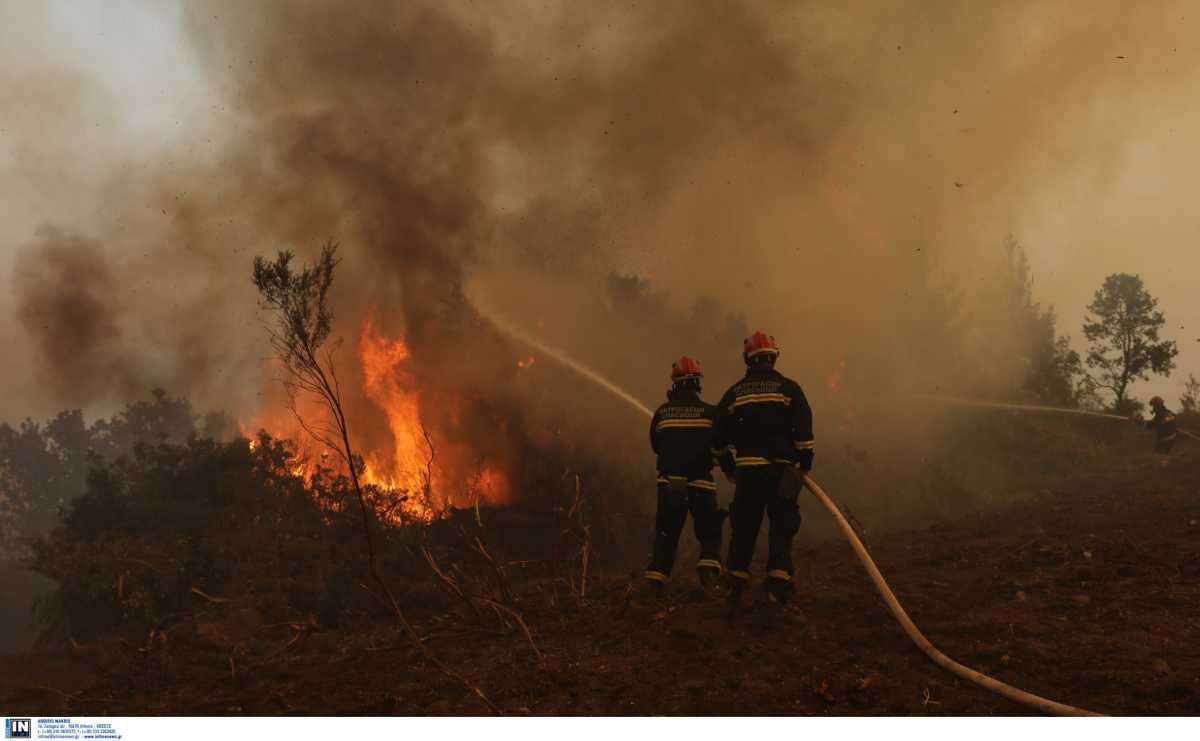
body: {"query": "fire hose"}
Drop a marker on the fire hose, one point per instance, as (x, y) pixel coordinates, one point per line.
(1022, 697)
(954, 401)
(914, 633)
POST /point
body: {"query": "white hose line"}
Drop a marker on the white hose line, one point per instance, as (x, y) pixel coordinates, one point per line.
(914, 633)
(1012, 693)
(1028, 699)
(954, 401)
(520, 335)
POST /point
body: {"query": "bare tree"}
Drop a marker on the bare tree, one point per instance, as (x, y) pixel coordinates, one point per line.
(298, 303)
(1190, 401)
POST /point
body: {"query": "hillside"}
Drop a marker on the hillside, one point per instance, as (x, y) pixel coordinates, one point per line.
(1086, 591)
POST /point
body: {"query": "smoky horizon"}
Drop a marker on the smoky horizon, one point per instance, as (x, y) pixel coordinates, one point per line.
(842, 178)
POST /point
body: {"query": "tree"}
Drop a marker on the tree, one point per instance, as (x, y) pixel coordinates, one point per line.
(1122, 328)
(1189, 403)
(298, 301)
(43, 467)
(1052, 368)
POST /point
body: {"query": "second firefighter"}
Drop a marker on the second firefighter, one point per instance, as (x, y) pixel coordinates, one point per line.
(681, 435)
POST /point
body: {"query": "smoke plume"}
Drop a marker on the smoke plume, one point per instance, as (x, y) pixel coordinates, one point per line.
(631, 181)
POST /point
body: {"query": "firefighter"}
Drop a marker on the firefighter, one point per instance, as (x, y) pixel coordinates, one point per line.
(681, 436)
(767, 422)
(1163, 424)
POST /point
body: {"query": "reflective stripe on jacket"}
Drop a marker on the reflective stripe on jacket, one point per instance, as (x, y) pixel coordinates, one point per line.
(681, 435)
(765, 418)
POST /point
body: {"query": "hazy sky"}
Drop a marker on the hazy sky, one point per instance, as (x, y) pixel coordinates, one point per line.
(1134, 212)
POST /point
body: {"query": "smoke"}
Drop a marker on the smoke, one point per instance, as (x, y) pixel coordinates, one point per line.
(67, 302)
(842, 177)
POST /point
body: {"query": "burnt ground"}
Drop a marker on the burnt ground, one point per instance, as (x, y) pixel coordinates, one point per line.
(1086, 591)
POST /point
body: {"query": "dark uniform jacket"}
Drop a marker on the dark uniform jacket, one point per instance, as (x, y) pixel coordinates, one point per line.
(766, 419)
(1163, 424)
(681, 435)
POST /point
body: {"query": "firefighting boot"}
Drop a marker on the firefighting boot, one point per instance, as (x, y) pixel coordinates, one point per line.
(709, 576)
(778, 586)
(779, 604)
(656, 584)
(735, 598)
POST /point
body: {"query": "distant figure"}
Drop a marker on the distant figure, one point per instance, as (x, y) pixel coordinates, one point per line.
(767, 421)
(681, 435)
(1163, 424)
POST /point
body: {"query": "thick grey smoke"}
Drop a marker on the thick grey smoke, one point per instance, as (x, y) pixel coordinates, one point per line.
(68, 302)
(818, 172)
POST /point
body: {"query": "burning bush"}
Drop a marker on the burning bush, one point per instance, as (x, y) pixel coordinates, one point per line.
(176, 527)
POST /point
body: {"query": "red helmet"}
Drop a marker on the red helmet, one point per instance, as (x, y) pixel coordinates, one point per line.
(759, 344)
(686, 367)
(1157, 401)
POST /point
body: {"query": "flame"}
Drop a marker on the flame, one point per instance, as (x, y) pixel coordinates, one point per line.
(298, 462)
(527, 363)
(418, 471)
(388, 381)
(833, 381)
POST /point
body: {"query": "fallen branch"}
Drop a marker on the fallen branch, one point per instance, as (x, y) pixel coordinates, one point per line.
(495, 605)
(520, 621)
(209, 597)
(449, 582)
(501, 577)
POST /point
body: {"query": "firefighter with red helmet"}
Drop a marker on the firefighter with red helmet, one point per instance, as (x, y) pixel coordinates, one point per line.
(681, 435)
(766, 421)
(1163, 424)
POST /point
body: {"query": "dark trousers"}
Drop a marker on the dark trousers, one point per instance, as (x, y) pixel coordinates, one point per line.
(759, 490)
(673, 508)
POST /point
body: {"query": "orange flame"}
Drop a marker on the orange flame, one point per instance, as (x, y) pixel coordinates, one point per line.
(388, 382)
(421, 473)
(527, 363)
(833, 381)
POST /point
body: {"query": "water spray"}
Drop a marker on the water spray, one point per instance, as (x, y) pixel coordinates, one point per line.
(955, 401)
(524, 338)
(1022, 697)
